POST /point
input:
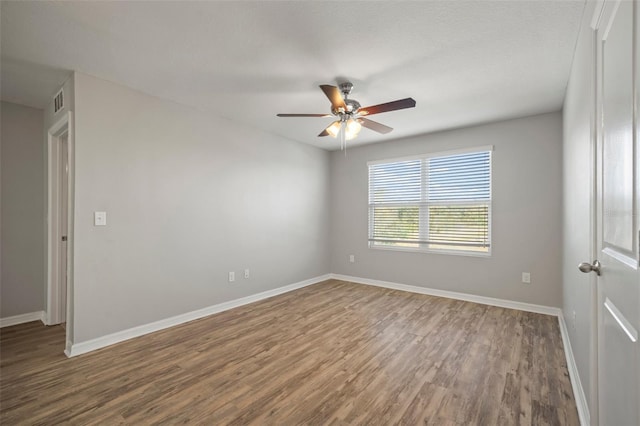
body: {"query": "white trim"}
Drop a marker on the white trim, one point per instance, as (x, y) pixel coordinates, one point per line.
(120, 336)
(71, 196)
(22, 318)
(605, 34)
(433, 155)
(52, 314)
(62, 126)
(597, 14)
(629, 261)
(622, 321)
(57, 127)
(468, 253)
(576, 384)
(502, 303)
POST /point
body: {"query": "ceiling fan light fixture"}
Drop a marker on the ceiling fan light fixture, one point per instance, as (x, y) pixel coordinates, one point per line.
(353, 126)
(349, 136)
(334, 129)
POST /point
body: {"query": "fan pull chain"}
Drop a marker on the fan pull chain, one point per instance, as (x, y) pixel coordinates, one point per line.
(345, 141)
(343, 138)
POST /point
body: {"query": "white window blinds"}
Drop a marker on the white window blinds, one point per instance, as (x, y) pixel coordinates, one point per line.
(437, 202)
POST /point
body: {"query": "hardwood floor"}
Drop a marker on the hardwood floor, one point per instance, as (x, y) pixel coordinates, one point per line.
(332, 353)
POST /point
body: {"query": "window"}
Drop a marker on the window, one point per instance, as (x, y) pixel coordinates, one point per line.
(436, 202)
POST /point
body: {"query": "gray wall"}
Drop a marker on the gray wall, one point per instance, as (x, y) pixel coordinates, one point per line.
(526, 223)
(22, 285)
(578, 240)
(188, 198)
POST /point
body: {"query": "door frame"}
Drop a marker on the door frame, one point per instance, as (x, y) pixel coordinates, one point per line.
(594, 98)
(54, 315)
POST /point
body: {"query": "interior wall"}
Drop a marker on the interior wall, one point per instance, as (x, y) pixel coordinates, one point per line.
(189, 197)
(578, 236)
(526, 214)
(22, 193)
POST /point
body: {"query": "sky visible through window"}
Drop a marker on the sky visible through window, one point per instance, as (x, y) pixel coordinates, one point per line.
(453, 177)
(440, 202)
(460, 177)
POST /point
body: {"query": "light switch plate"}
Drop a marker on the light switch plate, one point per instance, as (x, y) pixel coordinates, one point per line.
(99, 218)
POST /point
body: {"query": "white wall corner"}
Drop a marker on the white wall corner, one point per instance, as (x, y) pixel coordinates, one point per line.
(576, 384)
(74, 349)
(22, 318)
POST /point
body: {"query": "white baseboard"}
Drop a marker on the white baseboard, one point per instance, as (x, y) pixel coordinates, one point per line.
(121, 336)
(22, 318)
(502, 303)
(576, 384)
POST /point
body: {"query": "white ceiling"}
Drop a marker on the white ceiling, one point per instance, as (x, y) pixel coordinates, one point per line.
(464, 62)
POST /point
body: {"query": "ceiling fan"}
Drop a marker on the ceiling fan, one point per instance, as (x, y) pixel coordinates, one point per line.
(350, 116)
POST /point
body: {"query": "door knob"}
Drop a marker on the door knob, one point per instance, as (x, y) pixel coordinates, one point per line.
(587, 267)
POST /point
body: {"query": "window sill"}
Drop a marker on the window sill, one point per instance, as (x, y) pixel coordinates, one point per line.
(433, 251)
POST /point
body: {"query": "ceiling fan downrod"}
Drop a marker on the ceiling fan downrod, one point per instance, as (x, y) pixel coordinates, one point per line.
(351, 106)
(345, 88)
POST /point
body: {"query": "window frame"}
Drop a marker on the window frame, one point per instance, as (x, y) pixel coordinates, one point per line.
(423, 212)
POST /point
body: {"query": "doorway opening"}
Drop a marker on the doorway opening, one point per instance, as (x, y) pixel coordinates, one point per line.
(60, 227)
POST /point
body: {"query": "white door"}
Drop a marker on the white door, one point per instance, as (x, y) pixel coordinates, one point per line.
(618, 205)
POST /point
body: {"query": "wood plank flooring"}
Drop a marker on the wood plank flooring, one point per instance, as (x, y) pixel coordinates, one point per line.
(332, 353)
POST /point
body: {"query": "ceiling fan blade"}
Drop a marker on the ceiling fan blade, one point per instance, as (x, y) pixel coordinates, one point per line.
(303, 115)
(323, 133)
(389, 106)
(374, 125)
(333, 93)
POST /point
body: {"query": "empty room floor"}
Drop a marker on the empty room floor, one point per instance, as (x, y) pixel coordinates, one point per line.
(331, 353)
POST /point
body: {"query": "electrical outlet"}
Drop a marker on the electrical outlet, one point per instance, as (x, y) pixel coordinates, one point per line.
(573, 320)
(232, 276)
(352, 258)
(526, 277)
(246, 273)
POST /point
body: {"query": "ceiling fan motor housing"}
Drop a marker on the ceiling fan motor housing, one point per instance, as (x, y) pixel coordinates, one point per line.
(352, 106)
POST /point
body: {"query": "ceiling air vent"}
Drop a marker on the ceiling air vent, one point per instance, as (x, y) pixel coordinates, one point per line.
(58, 101)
